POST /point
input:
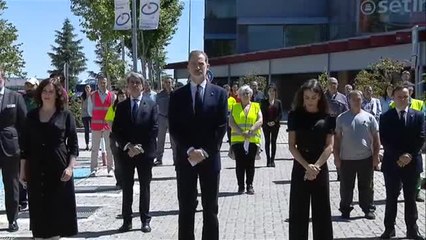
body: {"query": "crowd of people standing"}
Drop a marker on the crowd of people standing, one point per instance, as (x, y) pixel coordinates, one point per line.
(39, 135)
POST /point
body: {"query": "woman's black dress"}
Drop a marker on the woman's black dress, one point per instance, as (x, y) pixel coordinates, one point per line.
(47, 149)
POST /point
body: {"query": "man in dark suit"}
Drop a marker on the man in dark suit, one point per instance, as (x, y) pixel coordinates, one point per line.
(402, 133)
(197, 122)
(135, 127)
(12, 120)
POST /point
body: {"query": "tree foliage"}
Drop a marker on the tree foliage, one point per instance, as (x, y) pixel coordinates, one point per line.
(323, 80)
(108, 59)
(11, 59)
(378, 75)
(97, 19)
(247, 79)
(68, 50)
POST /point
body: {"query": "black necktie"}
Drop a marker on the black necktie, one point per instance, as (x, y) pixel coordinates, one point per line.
(402, 117)
(198, 100)
(135, 108)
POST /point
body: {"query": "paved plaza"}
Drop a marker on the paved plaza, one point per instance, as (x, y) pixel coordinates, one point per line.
(261, 216)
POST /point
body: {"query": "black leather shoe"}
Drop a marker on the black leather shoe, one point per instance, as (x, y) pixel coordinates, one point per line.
(250, 190)
(419, 198)
(13, 227)
(125, 227)
(158, 163)
(272, 164)
(415, 235)
(241, 190)
(388, 234)
(146, 228)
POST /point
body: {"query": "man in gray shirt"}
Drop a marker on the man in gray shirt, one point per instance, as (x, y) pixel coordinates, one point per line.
(163, 99)
(356, 153)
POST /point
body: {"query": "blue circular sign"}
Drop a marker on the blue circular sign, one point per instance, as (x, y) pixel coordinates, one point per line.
(150, 8)
(210, 76)
(122, 19)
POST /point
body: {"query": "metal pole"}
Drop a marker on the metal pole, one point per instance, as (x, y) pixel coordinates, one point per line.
(134, 37)
(189, 28)
(123, 50)
(415, 56)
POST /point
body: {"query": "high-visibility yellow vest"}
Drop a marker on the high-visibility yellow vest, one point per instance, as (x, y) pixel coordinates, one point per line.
(110, 115)
(415, 104)
(245, 122)
(231, 102)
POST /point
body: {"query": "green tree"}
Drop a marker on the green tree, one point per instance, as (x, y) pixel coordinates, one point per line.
(68, 50)
(11, 59)
(108, 59)
(323, 80)
(379, 74)
(247, 79)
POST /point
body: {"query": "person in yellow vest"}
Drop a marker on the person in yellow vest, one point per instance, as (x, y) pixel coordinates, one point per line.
(417, 105)
(245, 121)
(101, 99)
(109, 118)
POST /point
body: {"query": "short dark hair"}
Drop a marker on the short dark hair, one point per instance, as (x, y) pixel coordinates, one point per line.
(60, 98)
(399, 88)
(196, 53)
(273, 86)
(315, 86)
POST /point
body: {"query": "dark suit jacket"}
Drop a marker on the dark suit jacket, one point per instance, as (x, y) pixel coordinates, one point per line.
(12, 119)
(264, 105)
(397, 139)
(205, 131)
(143, 130)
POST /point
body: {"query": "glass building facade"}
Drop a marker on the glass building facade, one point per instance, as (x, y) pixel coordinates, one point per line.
(241, 26)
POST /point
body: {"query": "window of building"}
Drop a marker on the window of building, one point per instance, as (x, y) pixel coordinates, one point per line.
(304, 34)
(221, 8)
(262, 37)
(217, 48)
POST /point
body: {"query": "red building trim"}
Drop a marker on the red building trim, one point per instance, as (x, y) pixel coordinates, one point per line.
(384, 40)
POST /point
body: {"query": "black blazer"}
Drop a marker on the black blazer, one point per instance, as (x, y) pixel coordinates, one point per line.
(264, 105)
(206, 131)
(12, 119)
(397, 139)
(143, 130)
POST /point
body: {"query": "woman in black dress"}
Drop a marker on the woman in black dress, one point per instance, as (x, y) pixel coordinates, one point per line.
(272, 114)
(311, 143)
(50, 149)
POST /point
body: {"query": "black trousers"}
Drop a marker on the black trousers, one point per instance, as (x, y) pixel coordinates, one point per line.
(187, 195)
(117, 163)
(393, 180)
(86, 124)
(244, 163)
(10, 172)
(271, 135)
(363, 170)
(303, 194)
(144, 168)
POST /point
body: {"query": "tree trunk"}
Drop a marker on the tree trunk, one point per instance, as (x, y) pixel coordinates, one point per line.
(150, 75)
(143, 67)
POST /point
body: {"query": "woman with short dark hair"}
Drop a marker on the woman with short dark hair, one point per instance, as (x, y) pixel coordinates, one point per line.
(311, 142)
(272, 114)
(49, 153)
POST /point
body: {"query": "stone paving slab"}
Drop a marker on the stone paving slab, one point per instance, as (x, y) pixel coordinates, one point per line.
(259, 217)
